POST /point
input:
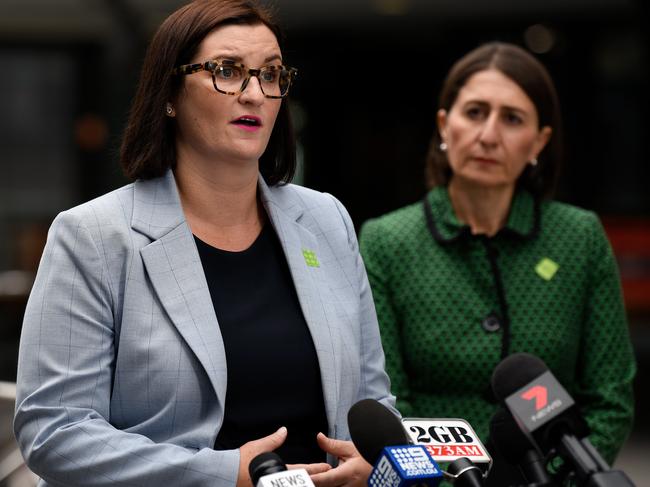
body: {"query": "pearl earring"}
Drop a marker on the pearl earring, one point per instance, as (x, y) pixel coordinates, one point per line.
(169, 109)
(533, 161)
(443, 146)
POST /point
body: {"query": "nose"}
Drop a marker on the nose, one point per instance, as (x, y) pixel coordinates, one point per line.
(489, 134)
(252, 92)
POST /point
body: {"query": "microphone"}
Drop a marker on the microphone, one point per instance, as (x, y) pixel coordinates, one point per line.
(464, 473)
(268, 470)
(516, 449)
(549, 417)
(381, 440)
(538, 402)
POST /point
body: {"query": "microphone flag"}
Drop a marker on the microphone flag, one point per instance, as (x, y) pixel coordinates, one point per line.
(538, 402)
(447, 439)
(404, 466)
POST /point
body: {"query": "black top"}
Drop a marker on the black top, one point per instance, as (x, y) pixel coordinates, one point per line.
(273, 372)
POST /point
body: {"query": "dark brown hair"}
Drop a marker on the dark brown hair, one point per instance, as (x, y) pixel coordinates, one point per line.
(148, 146)
(533, 78)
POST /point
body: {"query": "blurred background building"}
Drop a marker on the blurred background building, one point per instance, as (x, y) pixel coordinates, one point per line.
(364, 107)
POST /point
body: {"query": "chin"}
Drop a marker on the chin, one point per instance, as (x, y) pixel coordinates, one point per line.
(485, 180)
(250, 148)
(247, 155)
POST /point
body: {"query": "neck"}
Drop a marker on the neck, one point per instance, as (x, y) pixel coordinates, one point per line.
(484, 209)
(220, 203)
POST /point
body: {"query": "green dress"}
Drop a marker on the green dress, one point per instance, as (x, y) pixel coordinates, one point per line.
(451, 305)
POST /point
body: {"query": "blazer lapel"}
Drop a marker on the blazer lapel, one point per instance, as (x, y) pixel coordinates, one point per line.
(301, 250)
(176, 273)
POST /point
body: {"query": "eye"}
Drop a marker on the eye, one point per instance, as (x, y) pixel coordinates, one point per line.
(512, 118)
(227, 72)
(474, 112)
(269, 75)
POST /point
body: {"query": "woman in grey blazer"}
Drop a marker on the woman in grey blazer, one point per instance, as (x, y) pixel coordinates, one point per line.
(179, 323)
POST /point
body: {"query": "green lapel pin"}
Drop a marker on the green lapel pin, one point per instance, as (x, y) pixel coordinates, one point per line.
(310, 258)
(546, 268)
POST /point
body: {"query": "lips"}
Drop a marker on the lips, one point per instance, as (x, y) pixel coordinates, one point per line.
(248, 122)
(485, 160)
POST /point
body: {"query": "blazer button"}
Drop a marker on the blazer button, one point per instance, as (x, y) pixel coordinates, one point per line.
(491, 323)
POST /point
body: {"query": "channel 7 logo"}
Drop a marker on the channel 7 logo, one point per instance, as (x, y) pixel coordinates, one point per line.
(539, 394)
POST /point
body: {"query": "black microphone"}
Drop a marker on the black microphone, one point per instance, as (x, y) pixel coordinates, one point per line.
(372, 427)
(515, 447)
(382, 441)
(268, 470)
(549, 417)
(464, 473)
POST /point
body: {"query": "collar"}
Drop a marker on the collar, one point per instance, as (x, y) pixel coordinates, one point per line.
(523, 219)
(157, 206)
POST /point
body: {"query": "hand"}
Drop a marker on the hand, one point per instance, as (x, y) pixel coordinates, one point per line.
(311, 468)
(251, 449)
(352, 471)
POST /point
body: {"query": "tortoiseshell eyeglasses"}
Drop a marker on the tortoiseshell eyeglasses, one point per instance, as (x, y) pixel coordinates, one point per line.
(231, 78)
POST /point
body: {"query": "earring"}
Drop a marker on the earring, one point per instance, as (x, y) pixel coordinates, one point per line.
(443, 146)
(169, 110)
(533, 161)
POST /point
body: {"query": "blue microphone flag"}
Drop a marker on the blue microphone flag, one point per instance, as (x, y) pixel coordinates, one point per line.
(405, 466)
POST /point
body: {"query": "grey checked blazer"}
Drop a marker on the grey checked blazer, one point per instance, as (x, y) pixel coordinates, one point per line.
(122, 370)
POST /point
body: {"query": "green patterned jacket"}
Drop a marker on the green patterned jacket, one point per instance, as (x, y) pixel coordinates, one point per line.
(451, 305)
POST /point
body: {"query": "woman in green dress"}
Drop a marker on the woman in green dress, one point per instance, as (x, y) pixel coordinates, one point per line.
(487, 264)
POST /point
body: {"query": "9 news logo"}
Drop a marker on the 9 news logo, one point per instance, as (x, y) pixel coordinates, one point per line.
(384, 475)
(413, 461)
(401, 466)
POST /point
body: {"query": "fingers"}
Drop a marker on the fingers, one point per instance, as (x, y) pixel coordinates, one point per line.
(311, 468)
(265, 444)
(331, 478)
(251, 449)
(353, 470)
(272, 441)
(353, 473)
(338, 448)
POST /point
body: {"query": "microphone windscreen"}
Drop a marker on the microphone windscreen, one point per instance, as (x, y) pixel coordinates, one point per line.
(265, 464)
(514, 372)
(508, 438)
(372, 427)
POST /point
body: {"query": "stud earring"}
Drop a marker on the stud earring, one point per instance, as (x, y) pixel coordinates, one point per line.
(169, 109)
(533, 161)
(443, 146)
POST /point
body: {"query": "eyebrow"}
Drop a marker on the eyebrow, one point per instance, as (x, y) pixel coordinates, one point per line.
(239, 59)
(484, 104)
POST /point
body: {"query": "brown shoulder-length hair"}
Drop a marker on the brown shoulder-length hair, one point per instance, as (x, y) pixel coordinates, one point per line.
(533, 78)
(148, 145)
